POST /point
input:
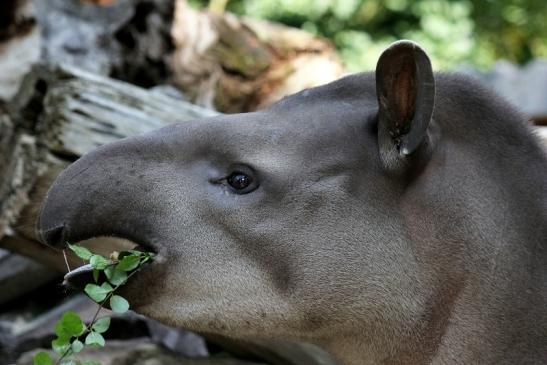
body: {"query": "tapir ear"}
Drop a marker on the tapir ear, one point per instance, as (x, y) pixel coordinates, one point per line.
(406, 96)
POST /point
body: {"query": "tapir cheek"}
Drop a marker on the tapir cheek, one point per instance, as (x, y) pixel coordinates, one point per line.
(148, 286)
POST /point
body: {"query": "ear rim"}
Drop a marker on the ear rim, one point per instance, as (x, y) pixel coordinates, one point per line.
(395, 144)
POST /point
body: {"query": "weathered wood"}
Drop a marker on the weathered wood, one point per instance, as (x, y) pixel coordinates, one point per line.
(17, 177)
(240, 64)
(20, 275)
(82, 110)
(19, 44)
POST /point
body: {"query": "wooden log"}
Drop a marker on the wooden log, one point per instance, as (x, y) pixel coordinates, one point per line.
(19, 44)
(20, 275)
(240, 64)
(82, 110)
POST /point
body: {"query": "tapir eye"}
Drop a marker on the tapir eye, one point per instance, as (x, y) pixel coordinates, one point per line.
(241, 182)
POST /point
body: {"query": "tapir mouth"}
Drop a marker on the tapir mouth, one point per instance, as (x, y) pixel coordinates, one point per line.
(59, 236)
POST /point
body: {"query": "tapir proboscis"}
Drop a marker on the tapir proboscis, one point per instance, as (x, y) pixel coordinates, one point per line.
(395, 217)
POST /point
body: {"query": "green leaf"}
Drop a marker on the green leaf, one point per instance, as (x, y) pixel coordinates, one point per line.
(99, 262)
(90, 362)
(107, 286)
(109, 271)
(61, 332)
(42, 358)
(129, 263)
(94, 339)
(123, 254)
(96, 275)
(61, 346)
(81, 252)
(101, 325)
(72, 323)
(77, 346)
(118, 304)
(97, 293)
(118, 277)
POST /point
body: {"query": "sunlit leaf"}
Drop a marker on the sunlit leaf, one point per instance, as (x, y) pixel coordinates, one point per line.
(77, 346)
(128, 263)
(42, 358)
(94, 339)
(118, 304)
(96, 275)
(99, 262)
(101, 325)
(97, 293)
(72, 323)
(61, 346)
(81, 252)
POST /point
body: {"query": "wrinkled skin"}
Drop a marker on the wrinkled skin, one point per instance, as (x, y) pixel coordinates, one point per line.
(433, 255)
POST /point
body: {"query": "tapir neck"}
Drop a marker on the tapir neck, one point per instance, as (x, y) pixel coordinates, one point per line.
(489, 305)
(479, 326)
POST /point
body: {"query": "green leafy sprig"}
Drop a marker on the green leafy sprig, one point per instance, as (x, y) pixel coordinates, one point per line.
(72, 334)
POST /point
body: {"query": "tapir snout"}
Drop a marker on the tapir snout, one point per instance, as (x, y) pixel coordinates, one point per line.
(369, 216)
(107, 192)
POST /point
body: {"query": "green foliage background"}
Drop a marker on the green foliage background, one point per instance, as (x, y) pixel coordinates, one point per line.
(452, 31)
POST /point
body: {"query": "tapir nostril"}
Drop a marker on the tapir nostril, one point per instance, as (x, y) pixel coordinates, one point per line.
(54, 236)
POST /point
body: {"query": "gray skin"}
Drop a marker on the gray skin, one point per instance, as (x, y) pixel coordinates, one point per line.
(409, 228)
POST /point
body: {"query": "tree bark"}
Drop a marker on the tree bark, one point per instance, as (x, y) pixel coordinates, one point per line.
(235, 64)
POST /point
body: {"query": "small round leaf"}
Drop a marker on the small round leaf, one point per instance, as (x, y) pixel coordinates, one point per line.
(118, 277)
(61, 332)
(94, 339)
(97, 293)
(99, 262)
(81, 252)
(129, 263)
(77, 346)
(42, 358)
(118, 304)
(61, 346)
(72, 323)
(101, 325)
(96, 275)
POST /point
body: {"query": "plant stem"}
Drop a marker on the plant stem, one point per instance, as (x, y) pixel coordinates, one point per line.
(94, 319)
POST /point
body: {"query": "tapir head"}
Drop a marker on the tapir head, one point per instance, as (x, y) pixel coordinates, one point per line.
(284, 222)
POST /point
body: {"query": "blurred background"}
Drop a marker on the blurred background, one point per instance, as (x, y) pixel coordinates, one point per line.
(76, 74)
(454, 32)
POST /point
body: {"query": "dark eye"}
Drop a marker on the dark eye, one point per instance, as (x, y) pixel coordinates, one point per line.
(239, 181)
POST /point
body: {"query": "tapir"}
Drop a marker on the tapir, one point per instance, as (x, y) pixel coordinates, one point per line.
(393, 217)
